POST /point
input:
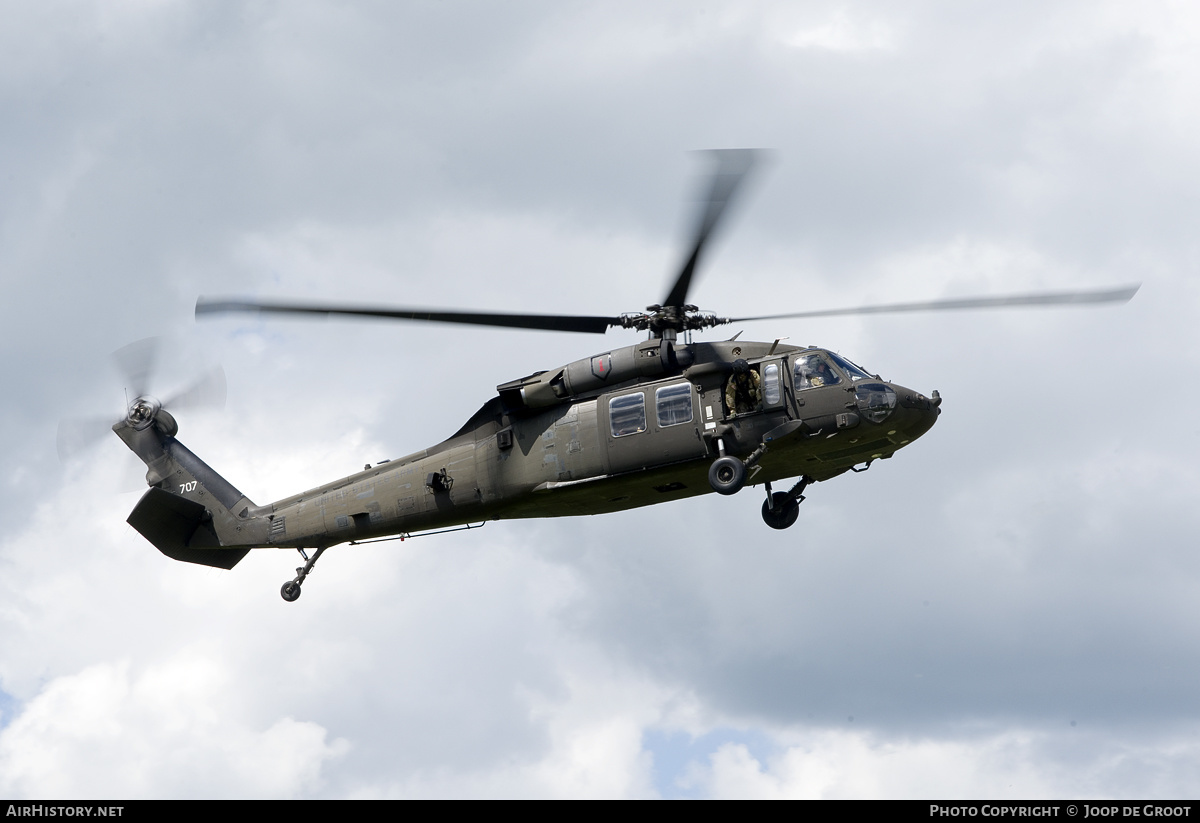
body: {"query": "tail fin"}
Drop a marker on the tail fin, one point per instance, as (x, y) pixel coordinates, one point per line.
(190, 513)
(182, 530)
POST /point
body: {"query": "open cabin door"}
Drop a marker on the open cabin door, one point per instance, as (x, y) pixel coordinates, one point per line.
(758, 391)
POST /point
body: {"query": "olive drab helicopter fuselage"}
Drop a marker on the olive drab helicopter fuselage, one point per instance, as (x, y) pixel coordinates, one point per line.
(657, 421)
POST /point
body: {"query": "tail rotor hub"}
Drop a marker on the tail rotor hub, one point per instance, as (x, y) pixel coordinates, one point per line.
(142, 412)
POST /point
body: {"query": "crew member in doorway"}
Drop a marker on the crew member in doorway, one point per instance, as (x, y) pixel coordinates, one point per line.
(744, 389)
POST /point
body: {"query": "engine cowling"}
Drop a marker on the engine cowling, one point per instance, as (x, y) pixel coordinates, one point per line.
(543, 389)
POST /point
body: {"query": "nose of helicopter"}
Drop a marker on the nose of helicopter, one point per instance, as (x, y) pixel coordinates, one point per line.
(917, 413)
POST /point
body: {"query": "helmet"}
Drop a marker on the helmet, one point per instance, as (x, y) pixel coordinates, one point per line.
(740, 366)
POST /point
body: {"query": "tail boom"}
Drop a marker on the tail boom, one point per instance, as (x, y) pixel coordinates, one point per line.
(190, 512)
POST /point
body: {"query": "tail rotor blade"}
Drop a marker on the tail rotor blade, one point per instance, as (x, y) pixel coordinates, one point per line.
(206, 392)
(136, 362)
(77, 434)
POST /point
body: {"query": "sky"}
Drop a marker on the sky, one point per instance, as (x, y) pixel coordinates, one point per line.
(1005, 609)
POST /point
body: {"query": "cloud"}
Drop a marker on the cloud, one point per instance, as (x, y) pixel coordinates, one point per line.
(844, 32)
(1007, 765)
(169, 730)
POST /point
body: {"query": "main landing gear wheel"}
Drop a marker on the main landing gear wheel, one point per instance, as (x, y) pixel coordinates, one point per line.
(727, 475)
(290, 591)
(780, 511)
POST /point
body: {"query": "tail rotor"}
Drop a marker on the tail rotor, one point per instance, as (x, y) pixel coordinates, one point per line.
(137, 364)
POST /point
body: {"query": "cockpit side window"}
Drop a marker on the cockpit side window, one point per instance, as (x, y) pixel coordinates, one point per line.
(810, 371)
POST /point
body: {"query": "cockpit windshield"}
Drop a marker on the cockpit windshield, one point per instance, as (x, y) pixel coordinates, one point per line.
(812, 369)
(850, 369)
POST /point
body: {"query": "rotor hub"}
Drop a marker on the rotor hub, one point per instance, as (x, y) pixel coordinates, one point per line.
(667, 321)
(142, 412)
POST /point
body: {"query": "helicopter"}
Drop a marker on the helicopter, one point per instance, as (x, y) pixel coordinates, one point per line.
(664, 419)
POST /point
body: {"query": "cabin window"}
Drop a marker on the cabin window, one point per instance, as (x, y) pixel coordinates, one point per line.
(674, 404)
(770, 383)
(627, 414)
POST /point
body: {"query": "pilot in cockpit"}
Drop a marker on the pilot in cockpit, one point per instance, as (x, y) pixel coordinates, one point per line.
(811, 371)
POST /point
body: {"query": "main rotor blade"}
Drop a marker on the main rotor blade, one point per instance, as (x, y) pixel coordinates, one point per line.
(1067, 298)
(733, 165)
(543, 322)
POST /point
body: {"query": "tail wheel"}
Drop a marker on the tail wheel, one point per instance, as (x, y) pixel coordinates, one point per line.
(290, 591)
(727, 475)
(782, 510)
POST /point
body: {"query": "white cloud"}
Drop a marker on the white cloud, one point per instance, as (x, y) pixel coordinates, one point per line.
(169, 730)
(1006, 765)
(844, 30)
(841, 765)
